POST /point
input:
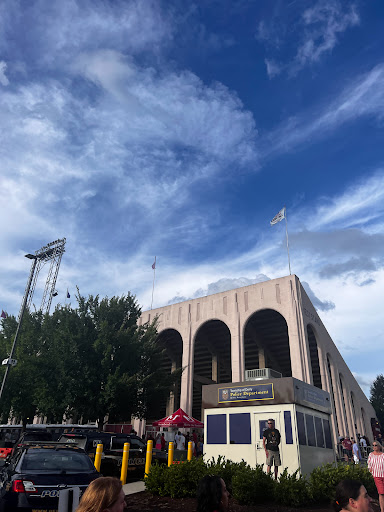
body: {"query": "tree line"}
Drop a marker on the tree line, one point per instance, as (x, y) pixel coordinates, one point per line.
(84, 363)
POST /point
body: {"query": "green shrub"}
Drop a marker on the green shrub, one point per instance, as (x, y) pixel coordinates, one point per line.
(225, 469)
(177, 481)
(324, 479)
(252, 486)
(292, 490)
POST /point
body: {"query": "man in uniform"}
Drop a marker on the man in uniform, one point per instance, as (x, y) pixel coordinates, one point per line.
(271, 441)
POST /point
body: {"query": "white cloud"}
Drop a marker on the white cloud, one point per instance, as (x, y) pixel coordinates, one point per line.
(364, 97)
(3, 68)
(315, 32)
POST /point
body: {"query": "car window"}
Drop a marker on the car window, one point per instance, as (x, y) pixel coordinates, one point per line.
(136, 443)
(56, 460)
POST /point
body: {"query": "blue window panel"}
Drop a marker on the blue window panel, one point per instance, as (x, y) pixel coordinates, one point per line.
(216, 429)
(327, 434)
(263, 425)
(288, 427)
(240, 428)
(319, 432)
(310, 430)
(301, 428)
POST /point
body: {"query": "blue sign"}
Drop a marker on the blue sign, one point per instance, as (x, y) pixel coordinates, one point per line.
(246, 393)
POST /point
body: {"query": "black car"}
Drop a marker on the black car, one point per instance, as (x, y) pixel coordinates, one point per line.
(34, 475)
(113, 445)
(34, 435)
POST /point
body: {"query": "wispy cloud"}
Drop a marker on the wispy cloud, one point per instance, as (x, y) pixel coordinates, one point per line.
(364, 97)
(3, 68)
(310, 33)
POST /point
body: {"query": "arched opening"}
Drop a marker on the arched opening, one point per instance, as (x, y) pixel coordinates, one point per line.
(365, 431)
(211, 360)
(344, 406)
(353, 411)
(333, 394)
(266, 342)
(171, 360)
(314, 355)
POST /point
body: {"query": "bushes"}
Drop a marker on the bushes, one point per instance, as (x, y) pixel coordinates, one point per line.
(292, 490)
(324, 479)
(250, 486)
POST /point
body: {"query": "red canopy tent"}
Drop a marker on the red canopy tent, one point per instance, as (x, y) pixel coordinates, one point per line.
(179, 419)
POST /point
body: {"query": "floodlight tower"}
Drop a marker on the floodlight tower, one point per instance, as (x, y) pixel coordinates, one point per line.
(52, 252)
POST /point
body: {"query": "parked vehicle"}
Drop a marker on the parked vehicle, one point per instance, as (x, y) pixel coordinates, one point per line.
(35, 473)
(113, 445)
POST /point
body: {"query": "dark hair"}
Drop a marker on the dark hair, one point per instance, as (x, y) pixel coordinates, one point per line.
(345, 490)
(209, 494)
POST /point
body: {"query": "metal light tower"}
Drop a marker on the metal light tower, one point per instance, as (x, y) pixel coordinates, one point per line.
(52, 252)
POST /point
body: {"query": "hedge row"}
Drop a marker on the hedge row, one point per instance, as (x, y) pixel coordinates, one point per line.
(250, 486)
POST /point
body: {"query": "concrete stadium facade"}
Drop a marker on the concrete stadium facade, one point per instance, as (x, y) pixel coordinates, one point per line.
(272, 324)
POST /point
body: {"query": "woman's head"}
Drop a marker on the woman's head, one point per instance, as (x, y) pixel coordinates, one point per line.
(104, 494)
(351, 495)
(377, 447)
(212, 494)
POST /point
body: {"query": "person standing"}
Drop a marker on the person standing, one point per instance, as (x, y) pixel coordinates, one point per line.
(356, 452)
(163, 443)
(180, 442)
(271, 441)
(347, 448)
(376, 467)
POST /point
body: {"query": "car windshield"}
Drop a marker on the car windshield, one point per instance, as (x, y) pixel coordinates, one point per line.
(57, 461)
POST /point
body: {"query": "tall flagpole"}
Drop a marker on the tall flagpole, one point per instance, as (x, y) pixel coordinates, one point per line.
(153, 284)
(286, 232)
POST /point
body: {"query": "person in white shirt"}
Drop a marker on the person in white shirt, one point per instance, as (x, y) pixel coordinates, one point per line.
(363, 442)
(180, 442)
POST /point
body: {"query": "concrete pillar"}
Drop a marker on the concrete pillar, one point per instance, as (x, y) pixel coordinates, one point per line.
(237, 346)
(214, 368)
(348, 407)
(261, 358)
(186, 395)
(338, 404)
(326, 384)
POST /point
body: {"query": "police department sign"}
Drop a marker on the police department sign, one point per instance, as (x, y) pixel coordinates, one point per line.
(246, 393)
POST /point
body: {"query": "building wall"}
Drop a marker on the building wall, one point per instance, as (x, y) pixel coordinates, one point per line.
(286, 296)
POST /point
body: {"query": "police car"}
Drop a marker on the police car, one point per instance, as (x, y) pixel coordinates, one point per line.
(36, 473)
(113, 445)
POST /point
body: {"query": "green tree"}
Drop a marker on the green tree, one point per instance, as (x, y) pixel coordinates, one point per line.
(377, 398)
(88, 362)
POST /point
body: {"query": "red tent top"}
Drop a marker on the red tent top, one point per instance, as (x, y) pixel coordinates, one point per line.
(179, 419)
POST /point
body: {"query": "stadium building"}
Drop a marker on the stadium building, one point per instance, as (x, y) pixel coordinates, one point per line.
(263, 331)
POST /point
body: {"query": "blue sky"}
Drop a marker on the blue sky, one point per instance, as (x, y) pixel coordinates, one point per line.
(179, 129)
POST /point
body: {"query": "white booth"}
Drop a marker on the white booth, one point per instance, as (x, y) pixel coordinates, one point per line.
(236, 415)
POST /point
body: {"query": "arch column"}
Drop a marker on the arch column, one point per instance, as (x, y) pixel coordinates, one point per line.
(186, 394)
(338, 405)
(325, 382)
(348, 406)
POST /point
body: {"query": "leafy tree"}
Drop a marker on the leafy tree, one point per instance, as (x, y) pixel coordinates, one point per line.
(377, 398)
(86, 363)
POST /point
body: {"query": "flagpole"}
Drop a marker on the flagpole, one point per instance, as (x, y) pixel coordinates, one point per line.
(286, 232)
(153, 284)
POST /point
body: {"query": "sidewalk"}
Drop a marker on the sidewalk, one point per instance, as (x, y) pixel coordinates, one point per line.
(133, 487)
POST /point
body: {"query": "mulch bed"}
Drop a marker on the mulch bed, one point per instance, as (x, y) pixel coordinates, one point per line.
(146, 502)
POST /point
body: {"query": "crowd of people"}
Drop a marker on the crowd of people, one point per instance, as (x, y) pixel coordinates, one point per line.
(107, 495)
(180, 441)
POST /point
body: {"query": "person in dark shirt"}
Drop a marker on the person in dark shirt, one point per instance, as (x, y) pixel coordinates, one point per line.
(271, 441)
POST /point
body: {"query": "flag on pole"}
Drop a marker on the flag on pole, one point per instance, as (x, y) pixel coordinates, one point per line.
(3, 314)
(154, 265)
(68, 295)
(278, 217)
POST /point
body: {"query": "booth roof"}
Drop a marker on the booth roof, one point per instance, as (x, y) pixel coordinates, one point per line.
(179, 419)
